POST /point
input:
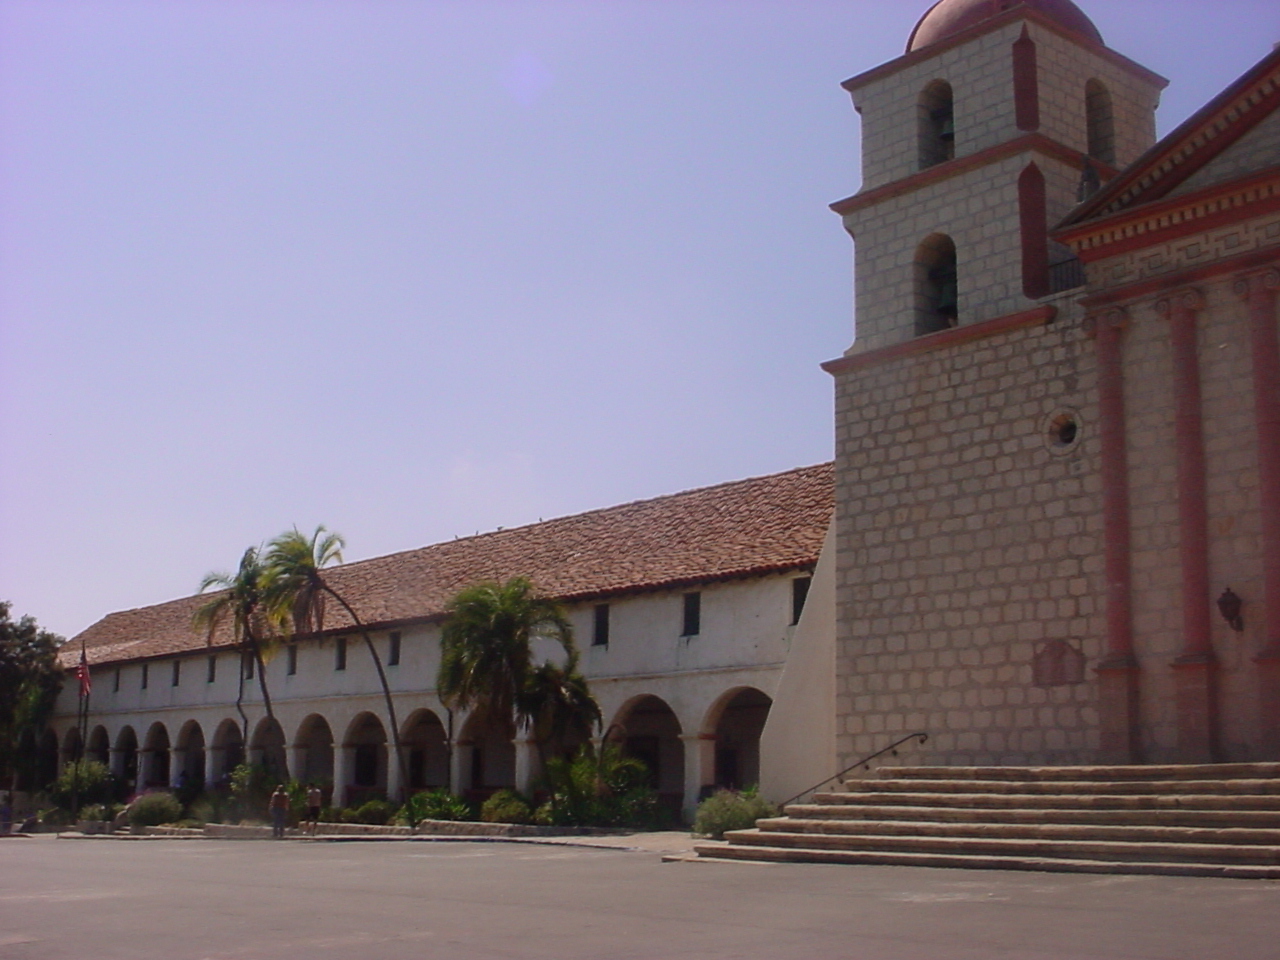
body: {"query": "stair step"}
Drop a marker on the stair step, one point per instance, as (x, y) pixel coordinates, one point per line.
(1062, 801)
(1023, 831)
(1188, 771)
(1255, 787)
(972, 862)
(1116, 851)
(1170, 816)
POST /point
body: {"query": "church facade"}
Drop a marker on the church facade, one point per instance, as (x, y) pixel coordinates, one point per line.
(1057, 427)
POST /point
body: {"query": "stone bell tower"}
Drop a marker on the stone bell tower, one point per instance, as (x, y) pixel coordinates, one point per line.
(967, 518)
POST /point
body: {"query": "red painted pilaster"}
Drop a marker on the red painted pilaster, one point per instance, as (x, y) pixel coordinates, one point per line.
(1118, 671)
(1026, 83)
(1259, 291)
(1195, 673)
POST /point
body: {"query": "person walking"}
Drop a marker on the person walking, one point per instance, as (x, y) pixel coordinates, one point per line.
(279, 807)
(315, 799)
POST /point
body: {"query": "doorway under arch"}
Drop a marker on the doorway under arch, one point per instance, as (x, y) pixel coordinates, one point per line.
(737, 720)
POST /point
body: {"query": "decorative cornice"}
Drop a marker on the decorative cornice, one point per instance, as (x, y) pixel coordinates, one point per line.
(942, 339)
(913, 57)
(1171, 282)
(1028, 143)
(1165, 220)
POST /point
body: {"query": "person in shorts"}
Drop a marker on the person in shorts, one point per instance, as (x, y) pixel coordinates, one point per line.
(315, 799)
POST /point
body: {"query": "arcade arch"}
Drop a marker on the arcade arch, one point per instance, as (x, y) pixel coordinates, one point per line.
(426, 748)
(99, 748)
(488, 753)
(313, 751)
(266, 747)
(227, 751)
(155, 757)
(365, 744)
(124, 762)
(736, 721)
(190, 755)
(648, 729)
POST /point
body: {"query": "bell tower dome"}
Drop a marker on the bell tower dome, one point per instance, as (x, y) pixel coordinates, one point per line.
(973, 141)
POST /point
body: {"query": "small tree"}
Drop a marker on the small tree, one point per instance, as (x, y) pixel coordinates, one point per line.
(30, 680)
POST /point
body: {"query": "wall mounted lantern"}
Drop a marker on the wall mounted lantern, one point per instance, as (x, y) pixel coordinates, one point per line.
(1229, 606)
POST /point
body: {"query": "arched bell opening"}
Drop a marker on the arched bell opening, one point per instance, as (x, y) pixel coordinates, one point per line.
(936, 124)
(1100, 122)
(426, 750)
(937, 284)
(736, 721)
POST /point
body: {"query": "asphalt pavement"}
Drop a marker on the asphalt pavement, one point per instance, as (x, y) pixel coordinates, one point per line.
(69, 899)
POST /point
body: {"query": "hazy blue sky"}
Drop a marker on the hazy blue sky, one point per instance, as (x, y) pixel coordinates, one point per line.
(418, 269)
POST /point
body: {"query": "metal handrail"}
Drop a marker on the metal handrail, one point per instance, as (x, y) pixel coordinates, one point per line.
(865, 761)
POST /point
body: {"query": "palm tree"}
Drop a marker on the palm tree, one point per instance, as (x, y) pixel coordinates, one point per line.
(241, 602)
(296, 592)
(559, 706)
(487, 646)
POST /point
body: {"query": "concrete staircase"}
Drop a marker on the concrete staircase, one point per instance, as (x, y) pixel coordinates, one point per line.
(1197, 820)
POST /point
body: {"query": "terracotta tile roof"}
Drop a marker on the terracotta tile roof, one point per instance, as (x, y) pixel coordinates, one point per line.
(733, 530)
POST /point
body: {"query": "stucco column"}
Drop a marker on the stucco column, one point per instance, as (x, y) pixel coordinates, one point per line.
(459, 766)
(1118, 671)
(699, 769)
(1194, 670)
(343, 761)
(395, 784)
(526, 765)
(1259, 291)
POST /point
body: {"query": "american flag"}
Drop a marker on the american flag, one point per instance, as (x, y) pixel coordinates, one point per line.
(82, 674)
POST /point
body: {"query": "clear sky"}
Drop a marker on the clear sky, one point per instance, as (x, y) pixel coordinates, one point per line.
(419, 269)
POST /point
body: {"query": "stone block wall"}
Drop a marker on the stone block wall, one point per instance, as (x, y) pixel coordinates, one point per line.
(970, 550)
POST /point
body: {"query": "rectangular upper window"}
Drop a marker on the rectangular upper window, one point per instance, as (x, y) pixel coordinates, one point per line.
(291, 659)
(340, 654)
(177, 672)
(247, 666)
(600, 626)
(146, 674)
(213, 670)
(692, 615)
(115, 685)
(799, 593)
(393, 649)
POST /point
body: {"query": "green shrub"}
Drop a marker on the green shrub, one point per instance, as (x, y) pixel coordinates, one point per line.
(95, 811)
(438, 804)
(251, 788)
(730, 810)
(211, 807)
(55, 817)
(506, 806)
(89, 781)
(608, 789)
(153, 809)
(376, 812)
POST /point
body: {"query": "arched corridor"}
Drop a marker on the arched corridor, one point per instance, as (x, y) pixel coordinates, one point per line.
(313, 752)
(426, 750)
(155, 757)
(99, 748)
(190, 757)
(267, 748)
(226, 754)
(649, 730)
(124, 758)
(365, 750)
(487, 754)
(737, 720)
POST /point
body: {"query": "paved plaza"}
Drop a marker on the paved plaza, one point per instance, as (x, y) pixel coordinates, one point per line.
(66, 899)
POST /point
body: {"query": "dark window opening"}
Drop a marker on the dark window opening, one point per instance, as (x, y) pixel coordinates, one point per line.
(177, 672)
(146, 675)
(291, 664)
(692, 615)
(600, 631)
(393, 650)
(937, 124)
(340, 654)
(799, 593)
(213, 670)
(247, 666)
(115, 685)
(937, 285)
